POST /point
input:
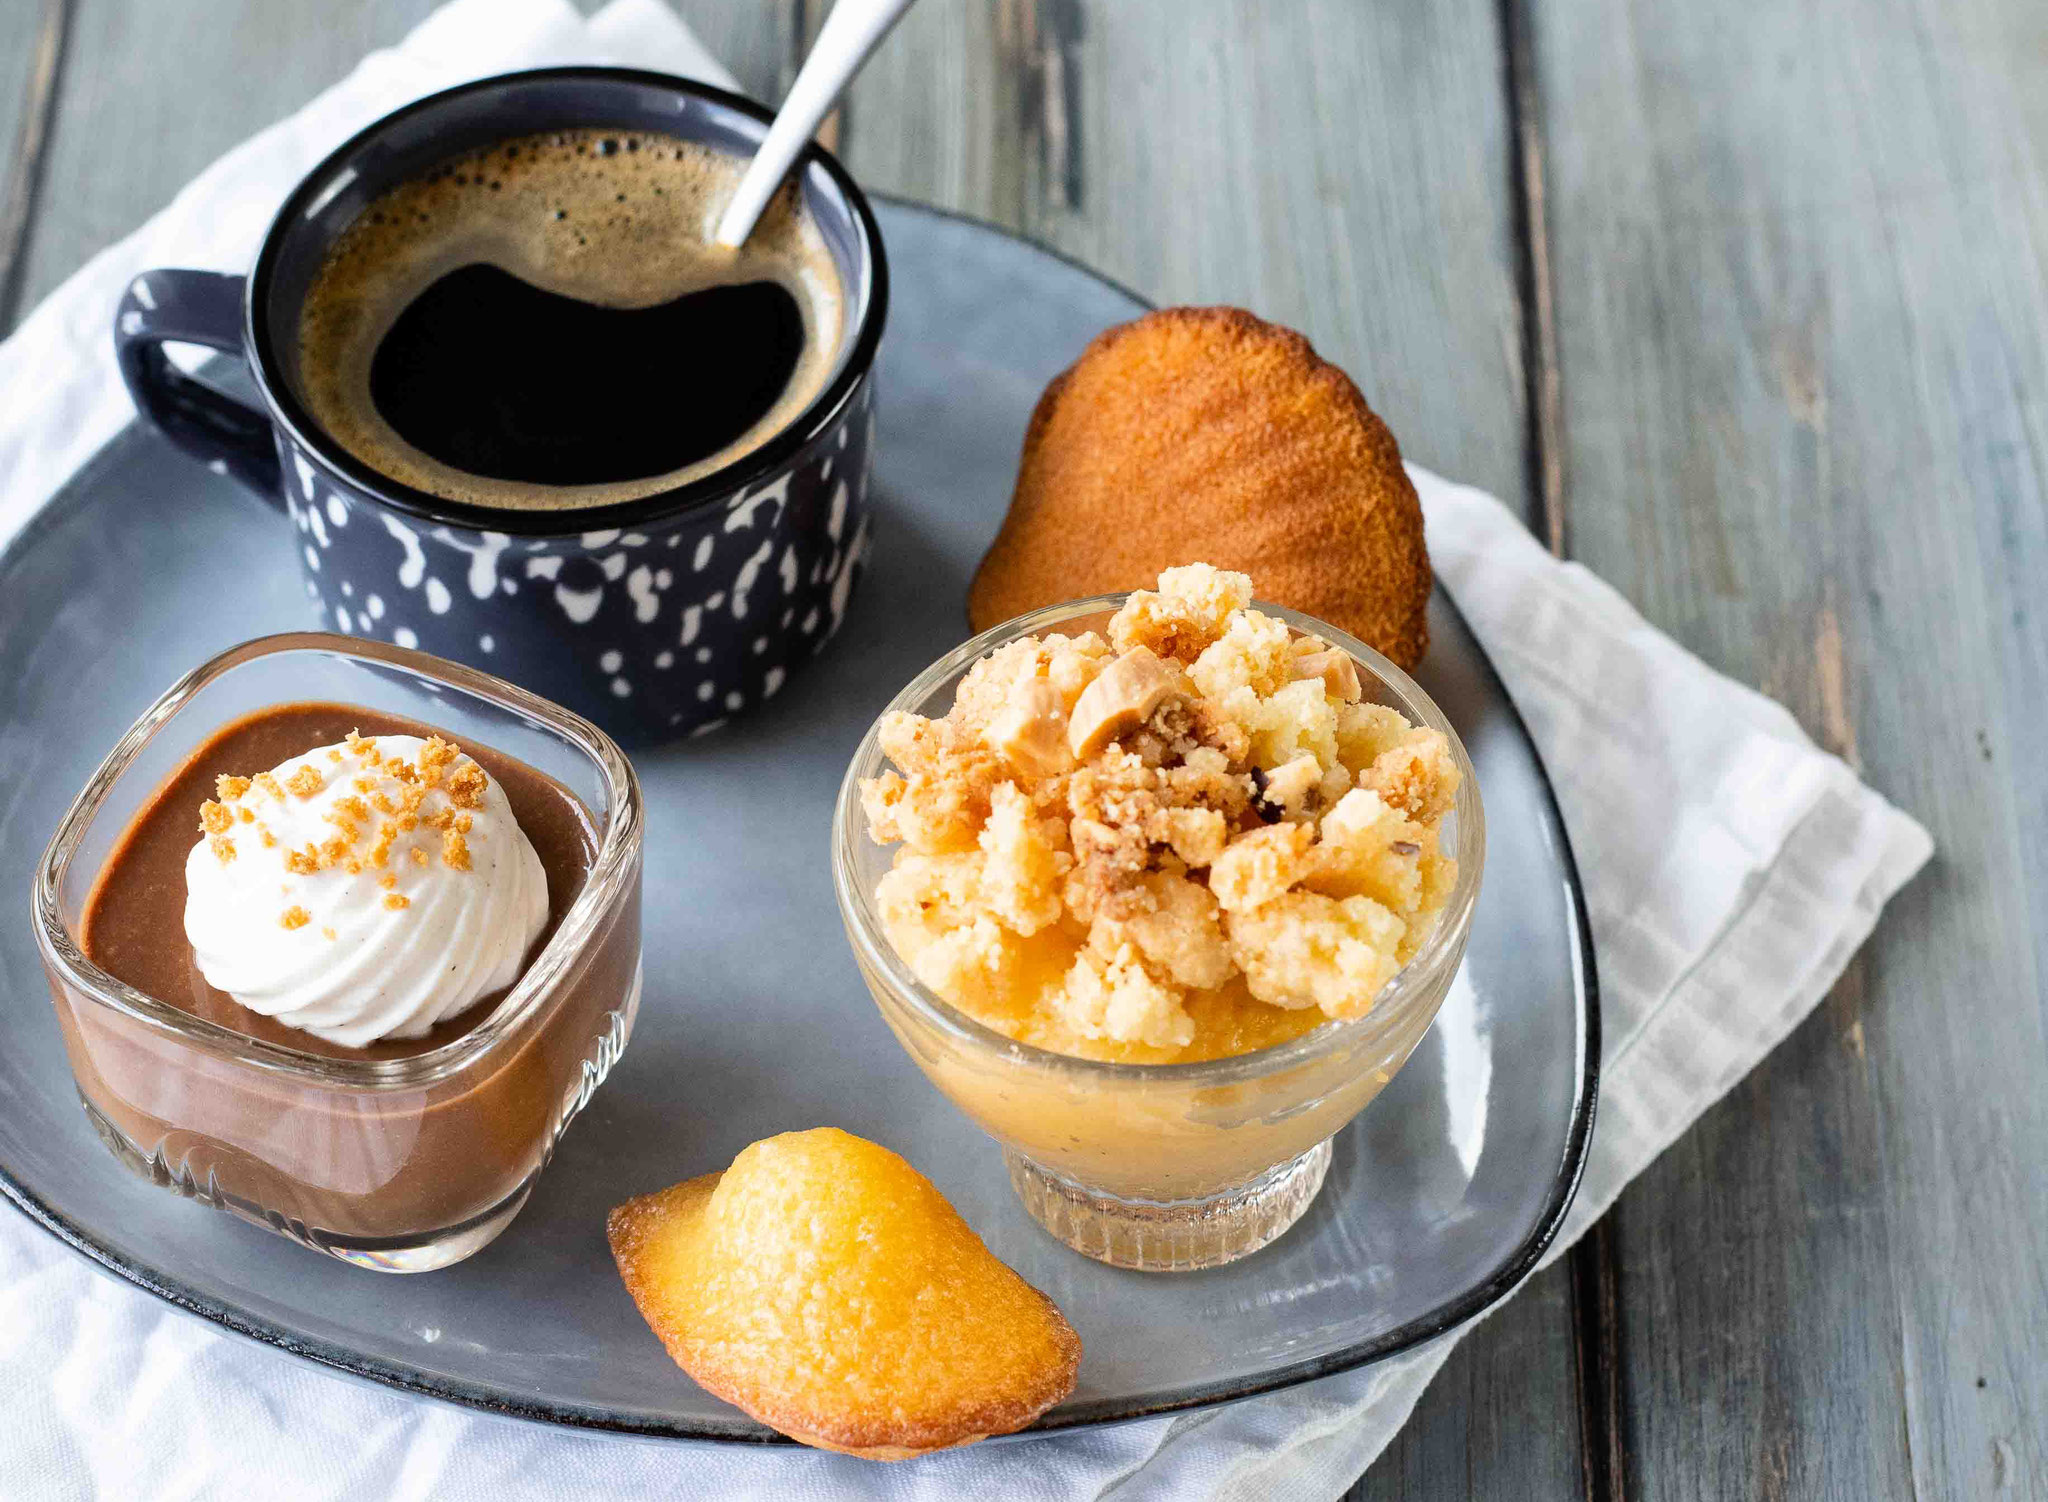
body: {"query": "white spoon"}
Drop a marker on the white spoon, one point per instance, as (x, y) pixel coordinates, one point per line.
(844, 42)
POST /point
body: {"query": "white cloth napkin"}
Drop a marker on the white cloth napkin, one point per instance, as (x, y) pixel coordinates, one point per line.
(1730, 866)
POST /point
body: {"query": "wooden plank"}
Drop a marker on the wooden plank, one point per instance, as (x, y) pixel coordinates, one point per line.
(1802, 292)
(1343, 170)
(151, 94)
(1498, 1419)
(32, 42)
(1593, 1265)
(1336, 167)
(753, 39)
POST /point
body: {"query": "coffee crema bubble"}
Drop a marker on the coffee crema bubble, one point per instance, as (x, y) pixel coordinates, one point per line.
(545, 324)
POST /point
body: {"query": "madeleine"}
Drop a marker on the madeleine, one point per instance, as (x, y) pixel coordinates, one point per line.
(1209, 433)
(824, 1286)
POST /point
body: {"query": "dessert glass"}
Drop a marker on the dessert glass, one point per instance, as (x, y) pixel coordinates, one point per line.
(1161, 1167)
(404, 1164)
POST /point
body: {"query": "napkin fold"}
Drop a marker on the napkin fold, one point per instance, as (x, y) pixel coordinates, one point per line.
(1731, 868)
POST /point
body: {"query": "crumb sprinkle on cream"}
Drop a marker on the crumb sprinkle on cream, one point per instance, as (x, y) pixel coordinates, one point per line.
(369, 821)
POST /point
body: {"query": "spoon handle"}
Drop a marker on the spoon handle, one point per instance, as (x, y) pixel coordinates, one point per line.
(844, 42)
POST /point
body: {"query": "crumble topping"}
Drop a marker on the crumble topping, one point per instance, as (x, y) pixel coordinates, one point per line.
(1185, 837)
(434, 791)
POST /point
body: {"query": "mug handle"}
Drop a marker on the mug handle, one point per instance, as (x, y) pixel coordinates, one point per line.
(195, 307)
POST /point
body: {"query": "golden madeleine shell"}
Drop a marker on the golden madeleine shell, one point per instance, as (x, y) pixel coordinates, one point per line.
(1210, 433)
(824, 1286)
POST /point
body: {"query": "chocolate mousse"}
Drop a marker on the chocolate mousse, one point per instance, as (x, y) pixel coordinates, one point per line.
(399, 1152)
(134, 922)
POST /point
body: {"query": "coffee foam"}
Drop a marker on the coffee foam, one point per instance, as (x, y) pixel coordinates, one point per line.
(619, 218)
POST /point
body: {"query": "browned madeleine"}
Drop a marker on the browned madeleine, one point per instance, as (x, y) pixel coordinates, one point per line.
(1209, 433)
(825, 1287)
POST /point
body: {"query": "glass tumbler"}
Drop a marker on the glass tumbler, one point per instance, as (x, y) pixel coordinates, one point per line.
(404, 1164)
(1160, 1167)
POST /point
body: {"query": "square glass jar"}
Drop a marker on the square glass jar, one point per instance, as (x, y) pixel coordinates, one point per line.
(1159, 1167)
(402, 1165)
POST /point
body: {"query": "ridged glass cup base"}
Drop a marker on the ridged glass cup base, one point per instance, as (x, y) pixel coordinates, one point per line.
(1176, 1235)
(424, 1251)
(428, 1251)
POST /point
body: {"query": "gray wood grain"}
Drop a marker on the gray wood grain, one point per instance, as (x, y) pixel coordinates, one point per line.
(1801, 304)
(1499, 1420)
(150, 94)
(31, 56)
(1341, 170)
(751, 39)
(20, 26)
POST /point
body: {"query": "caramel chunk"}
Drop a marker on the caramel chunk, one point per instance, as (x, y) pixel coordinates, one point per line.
(1032, 731)
(1122, 697)
(1338, 672)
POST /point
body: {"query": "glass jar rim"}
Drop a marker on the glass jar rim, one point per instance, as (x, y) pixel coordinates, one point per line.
(616, 860)
(1445, 943)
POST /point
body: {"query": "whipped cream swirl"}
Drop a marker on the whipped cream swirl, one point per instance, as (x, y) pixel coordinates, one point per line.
(363, 891)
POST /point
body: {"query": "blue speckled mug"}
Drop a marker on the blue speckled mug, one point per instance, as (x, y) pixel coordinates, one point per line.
(655, 617)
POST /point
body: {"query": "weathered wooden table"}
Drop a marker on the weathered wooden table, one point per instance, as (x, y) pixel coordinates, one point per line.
(1746, 306)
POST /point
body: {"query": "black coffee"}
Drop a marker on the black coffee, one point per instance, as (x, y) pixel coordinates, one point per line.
(494, 376)
(545, 323)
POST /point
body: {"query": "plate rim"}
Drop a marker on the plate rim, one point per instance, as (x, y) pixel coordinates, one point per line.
(1476, 1300)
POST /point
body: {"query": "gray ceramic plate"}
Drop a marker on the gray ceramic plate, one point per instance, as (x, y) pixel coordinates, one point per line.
(755, 1021)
